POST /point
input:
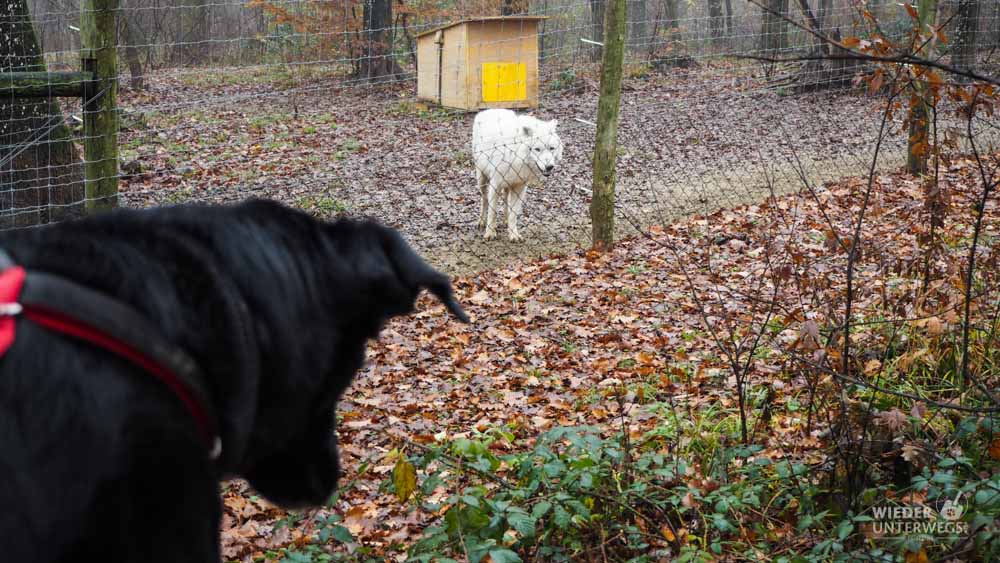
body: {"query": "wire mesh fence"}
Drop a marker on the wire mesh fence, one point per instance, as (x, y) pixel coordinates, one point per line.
(314, 102)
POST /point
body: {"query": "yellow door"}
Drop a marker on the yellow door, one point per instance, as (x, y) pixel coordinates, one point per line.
(505, 82)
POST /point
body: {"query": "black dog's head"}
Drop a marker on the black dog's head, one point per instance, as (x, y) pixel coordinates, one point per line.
(371, 275)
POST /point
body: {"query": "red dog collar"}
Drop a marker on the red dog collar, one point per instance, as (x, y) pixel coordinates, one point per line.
(80, 312)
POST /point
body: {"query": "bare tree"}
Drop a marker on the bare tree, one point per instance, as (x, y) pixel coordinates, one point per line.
(730, 28)
(672, 13)
(41, 176)
(637, 24)
(967, 35)
(715, 20)
(513, 7)
(192, 26)
(377, 62)
(597, 25)
(131, 47)
(774, 29)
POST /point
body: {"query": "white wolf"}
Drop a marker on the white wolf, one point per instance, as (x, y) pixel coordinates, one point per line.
(510, 151)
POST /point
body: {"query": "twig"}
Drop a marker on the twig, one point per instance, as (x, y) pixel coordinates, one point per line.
(988, 185)
(852, 255)
(853, 55)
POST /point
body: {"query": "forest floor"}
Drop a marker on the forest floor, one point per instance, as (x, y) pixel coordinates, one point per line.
(691, 141)
(611, 339)
(712, 216)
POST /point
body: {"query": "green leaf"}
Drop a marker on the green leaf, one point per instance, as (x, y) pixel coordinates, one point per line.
(404, 478)
(522, 522)
(844, 529)
(720, 522)
(504, 556)
(541, 509)
(341, 534)
(562, 518)
(943, 478)
(985, 497)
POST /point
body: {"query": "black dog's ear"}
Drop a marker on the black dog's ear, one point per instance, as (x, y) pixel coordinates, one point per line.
(417, 274)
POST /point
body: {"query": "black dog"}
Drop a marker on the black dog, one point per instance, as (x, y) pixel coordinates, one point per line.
(99, 459)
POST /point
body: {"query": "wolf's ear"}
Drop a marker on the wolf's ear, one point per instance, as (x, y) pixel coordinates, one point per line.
(527, 131)
(416, 274)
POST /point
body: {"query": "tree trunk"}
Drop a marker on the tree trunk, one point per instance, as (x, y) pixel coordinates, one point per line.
(672, 15)
(918, 144)
(602, 205)
(597, 24)
(131, 40)
(774, 30)
(716, 22)
(730, 31)
(191, 35)
(41, 177)
(637, 24)
(968, 31)
(377, 62)
(825, 9)
(513, 7)
(543, 45)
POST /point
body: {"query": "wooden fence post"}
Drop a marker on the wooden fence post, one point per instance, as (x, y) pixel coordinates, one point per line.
(100, 113)
(602, 205)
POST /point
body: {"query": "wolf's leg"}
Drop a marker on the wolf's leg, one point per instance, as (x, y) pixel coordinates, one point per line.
(515, 199)
(492, 201)
(483, 182)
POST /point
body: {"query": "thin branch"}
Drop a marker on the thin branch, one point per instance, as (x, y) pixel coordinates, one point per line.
(852, 255)
(899, 59)
(988, 185)
(853, 55)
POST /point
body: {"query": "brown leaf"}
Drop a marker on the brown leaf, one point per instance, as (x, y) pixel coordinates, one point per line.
(911, 453)
(356, 520)
(893, 419)
(480, 297)
(850, 42)
(995, 449)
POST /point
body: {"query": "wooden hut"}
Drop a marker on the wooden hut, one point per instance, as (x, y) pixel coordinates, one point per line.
(474, 64)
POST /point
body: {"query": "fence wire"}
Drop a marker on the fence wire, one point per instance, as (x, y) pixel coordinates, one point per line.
(314, 103)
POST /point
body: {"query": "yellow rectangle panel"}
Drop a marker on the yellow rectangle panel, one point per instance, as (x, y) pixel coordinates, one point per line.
(505, 82)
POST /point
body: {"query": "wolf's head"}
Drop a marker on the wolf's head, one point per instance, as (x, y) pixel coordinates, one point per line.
(545, 147)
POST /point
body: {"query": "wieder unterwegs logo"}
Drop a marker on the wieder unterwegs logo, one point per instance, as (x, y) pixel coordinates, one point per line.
(905, 521)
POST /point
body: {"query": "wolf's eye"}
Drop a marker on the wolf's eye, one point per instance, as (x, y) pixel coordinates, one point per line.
(538, 149)
(552, 148)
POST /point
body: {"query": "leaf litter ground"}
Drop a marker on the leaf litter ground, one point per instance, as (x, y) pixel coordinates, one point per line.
(556, 337)
(554, 341)
(693, 141)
